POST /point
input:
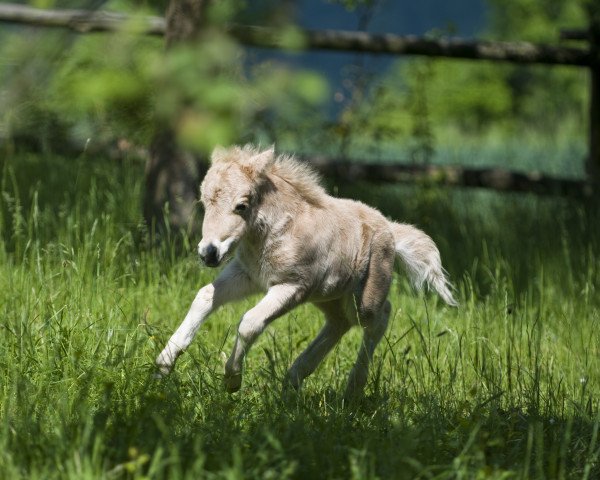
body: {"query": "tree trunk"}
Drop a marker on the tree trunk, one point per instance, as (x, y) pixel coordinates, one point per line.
(173, 175)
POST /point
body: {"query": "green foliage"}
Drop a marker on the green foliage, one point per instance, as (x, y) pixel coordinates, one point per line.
(542, 98)
(472, 100)
(535, 20)
(432, 105)
(113, 90)
(106, 87)
(472, 96)
(506, 386)
(23, 102)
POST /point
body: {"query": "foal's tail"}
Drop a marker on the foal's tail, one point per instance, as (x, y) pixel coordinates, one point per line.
(420, 256)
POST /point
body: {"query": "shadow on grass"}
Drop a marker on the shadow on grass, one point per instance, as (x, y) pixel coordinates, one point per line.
(260, 434)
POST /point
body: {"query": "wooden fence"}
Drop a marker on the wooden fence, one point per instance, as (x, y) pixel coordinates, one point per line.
(387, 44)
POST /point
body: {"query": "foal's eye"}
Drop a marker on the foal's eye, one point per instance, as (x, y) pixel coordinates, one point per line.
(240, 207)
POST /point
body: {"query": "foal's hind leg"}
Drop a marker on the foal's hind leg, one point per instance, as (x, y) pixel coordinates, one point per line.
(373, 333)
(372, 307)
(336, 325)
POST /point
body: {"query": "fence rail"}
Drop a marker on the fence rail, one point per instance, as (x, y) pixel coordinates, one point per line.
(498, 179)
(82, 21)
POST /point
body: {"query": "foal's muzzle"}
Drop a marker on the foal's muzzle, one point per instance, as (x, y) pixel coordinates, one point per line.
(210, 255)
(214, 251)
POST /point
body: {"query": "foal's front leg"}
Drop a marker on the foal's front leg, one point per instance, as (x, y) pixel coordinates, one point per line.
(231, 284)
(278, 300)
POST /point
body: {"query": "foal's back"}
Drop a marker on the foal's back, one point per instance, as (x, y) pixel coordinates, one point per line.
(332, 243)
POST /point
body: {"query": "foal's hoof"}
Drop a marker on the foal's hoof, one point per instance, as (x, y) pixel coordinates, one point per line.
(162, 371)
(164, 364)
(353, 395)
(291, 385)
(232, 383)
(290, 392)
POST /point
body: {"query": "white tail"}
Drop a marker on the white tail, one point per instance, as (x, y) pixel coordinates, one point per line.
(420, 256)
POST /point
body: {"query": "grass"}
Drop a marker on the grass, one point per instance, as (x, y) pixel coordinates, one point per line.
(506, 386)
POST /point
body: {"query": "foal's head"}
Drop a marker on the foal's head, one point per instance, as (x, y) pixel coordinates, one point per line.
(230, 194)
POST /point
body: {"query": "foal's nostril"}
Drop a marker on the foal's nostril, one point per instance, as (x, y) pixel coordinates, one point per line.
(210, 255)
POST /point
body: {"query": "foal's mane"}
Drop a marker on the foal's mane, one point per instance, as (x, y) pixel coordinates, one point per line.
(286, 167)
(300, 176)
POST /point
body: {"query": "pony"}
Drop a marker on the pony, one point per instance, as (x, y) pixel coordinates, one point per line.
(286, 237)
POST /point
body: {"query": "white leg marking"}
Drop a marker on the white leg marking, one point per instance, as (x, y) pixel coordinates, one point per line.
(232, 284)
(201, 307)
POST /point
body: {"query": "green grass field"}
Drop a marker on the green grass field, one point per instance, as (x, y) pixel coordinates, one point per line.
(506, 386)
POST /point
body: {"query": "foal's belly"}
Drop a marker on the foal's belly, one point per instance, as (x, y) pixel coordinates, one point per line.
(333, 285)
(321, 281)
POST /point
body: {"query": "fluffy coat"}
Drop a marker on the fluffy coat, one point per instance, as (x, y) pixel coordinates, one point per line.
(292, 240)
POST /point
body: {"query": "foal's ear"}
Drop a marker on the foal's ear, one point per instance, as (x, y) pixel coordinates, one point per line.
(218, 154)
(263, 159)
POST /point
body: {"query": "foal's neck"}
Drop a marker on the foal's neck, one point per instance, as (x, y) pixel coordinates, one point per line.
(279, 206)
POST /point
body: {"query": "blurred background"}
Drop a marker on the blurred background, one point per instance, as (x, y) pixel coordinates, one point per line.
(64, 92)
(98, 108)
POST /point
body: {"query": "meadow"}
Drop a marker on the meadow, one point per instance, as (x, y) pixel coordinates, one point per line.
(506, 386)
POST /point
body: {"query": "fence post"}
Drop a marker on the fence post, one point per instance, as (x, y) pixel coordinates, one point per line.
(593, 161)
(593, 165)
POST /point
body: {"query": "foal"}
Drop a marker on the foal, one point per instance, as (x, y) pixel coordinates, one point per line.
(298, 244)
